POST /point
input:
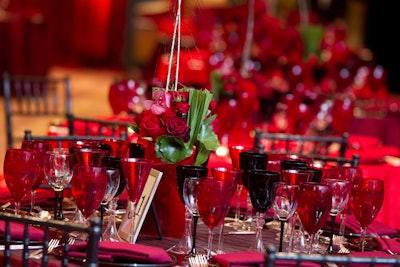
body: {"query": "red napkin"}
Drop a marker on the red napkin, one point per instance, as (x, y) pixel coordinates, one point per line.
(17, 231)
(249, 258)
(123, 252)
(377, 254)
(41, 197)
(375, 227)
(388, 243)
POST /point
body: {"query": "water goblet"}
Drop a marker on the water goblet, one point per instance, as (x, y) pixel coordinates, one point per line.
(190, 198)
(226, 174)
(182, 171)
(58, 170)
(340, 197)
(41, 146)
(136, 172)
(284, 204)
(313, 208)
(260, 187)
(367, 199)
(20, 171)
(111, 189)
(213, 201)
(249, 161)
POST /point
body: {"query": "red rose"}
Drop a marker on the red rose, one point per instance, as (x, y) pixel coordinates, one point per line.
(178, 127)
(182, 107)
(151, 126)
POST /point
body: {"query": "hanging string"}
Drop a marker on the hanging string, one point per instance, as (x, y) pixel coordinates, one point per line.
(248, 41)
(176, 35)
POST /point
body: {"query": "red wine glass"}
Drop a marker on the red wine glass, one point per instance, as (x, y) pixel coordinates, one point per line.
(90, 156)
(118, 147)
(260, 188)
(20, 171)
(136, 172)
(213, 201)
(314, 206)
(182, 171)
(340, 197)
(367, 199)
(41, 146)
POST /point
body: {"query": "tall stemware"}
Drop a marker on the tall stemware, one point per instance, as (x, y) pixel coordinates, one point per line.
(136, 172)
(111, 189)
(250, 161)
(340, 198)
(313, 208)
(260, 188)
(90, 156)
(284, 204)
(20, 170)
(367, 199)
(58, 170)
(182, 171)
(213, 201)
(234, 153)
(118, 147)
(232, 175)
(190, 198)
(41, 146)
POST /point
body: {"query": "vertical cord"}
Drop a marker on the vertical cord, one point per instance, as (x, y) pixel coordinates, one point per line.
(249, 39)
(178, 47)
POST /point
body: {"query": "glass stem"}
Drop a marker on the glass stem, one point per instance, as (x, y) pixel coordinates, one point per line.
(311, 244)
(17, 207)
(56, 205)
(60, 210)
(342, 227)
(258, 243)
(238, 198)
(249, 214)
(292, 224)
(281, 236)
(188, 229)
(132, 218)
(195, 220)
(330, 247)
(209, 243)
(221, 239)
(33, 196)
(362, 238)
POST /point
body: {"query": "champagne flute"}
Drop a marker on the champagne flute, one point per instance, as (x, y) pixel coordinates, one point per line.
(136, 172)
(182, 171)
(313, 208)
(284, 204)
(367, 201)
(58, 170)
(340, 198)
(41, 146)
(260, 187)
(213, 201)
(20, 170)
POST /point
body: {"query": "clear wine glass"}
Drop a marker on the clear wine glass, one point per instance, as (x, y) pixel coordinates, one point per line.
(260, 188)
(58, 170)
(111, 189)
(226, 174)
(367, 199)
(182, 171)
(313, 208)
(41, 147)
(213, 201)
(20, 172)
(284, 204)
(136, 171)
(340, 197)
(190, 198)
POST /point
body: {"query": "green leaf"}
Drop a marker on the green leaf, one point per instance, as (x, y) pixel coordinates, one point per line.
(171, 149)
(202, 155)
(208, 138)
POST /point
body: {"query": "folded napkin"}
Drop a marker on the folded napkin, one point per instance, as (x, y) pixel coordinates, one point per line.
(386, 243)
(249, 258)
(41, 197)
(17, 231)
(375, 227)
(376, 254)
(123, 252)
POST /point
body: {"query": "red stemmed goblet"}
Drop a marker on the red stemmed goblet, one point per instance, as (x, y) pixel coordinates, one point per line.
(314, 206)
(20, 172)
(136, 172)
(260, 188)
(367, 199)
(90, 156)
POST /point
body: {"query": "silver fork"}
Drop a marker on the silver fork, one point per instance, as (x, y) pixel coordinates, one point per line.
(199, 260)
(38, 254)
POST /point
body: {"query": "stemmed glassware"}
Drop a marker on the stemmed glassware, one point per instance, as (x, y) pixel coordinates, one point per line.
(284, 204)
(41, 147)
(367, 199)
(58, 170)
(314, 206)
(190, 198)
(182, 171)
(213, 201)
(260, 188)
(90, 156)
(226, 174)
(20, 171)
(340, 197)
(251, 160)
(111, 189)
(234, 152)
(136, 172)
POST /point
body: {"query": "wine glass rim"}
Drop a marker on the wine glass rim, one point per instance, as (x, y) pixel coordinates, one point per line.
(136, 160)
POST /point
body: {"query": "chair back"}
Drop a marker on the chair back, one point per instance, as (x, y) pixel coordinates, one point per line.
(273, 258)
(51, 229)
(27, 97)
